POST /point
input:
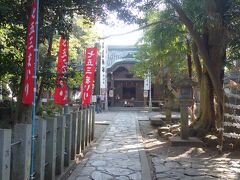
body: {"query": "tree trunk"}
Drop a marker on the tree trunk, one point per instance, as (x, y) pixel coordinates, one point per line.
(206, 119)
(45, 65)
(189, 59)
(212, 47)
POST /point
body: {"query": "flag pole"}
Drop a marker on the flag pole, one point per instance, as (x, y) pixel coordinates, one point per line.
(34, 95)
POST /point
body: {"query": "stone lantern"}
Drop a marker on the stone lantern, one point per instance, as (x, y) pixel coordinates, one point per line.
(185, 101)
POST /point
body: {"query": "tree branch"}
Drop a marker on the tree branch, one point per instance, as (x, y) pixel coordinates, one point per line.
(197, 61)
(201, 46)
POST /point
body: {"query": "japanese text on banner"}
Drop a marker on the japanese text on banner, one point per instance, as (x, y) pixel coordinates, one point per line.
(28, 91)
(89, 71)
(60, 94)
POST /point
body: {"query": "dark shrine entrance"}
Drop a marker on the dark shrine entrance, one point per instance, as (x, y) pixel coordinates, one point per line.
(124, 87)
(129, 93)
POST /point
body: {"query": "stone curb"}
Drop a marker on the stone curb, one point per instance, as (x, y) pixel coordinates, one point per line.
(146, 171)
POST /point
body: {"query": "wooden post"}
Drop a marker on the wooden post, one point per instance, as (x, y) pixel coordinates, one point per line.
(83, 128)
(51, 142)
(21, 152)
(61, 122)
(41, 127)
(5, 153)
(74, 135)
(68, 139)
(79, 134)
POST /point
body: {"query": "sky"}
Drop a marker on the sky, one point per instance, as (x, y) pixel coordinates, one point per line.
(118, 28)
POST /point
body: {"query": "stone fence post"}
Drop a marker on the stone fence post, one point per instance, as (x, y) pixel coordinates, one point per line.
(5, 153)
(79, 132)
(68, 139)
(74, 135)
(83, 128)
(51, 141)
(90, 125)
(87, 127)
(61, 123)
(93, 122)
(21, 151)
(41, 127)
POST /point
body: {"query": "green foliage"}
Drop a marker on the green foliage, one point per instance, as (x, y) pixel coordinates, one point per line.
(232, 16)
(50, 108)
(11, 57)
(163, 47)
(80, 38)
(55, 17)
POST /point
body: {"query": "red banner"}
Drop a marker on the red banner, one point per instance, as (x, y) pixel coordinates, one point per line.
(89, 69)
(28, 91)
(60, 94)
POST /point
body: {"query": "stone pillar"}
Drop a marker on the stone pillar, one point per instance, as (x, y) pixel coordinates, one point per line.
(83, 128)
(112, 88)
(41, 127)
(168, 109)
(61, 122)
(5, 153)
(184, 104)
(93, 123)
(87, 127)
(66, 109)
(68, 139)
(21, 152)
(74, 135)
(79, 132)
(184, 122)
(90, 125)
(51, 142)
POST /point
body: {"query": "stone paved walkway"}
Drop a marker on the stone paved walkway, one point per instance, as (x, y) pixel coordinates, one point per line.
(118, 156)
(196, 169)
(188, 163)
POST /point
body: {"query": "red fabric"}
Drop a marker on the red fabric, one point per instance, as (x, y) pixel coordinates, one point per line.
(60, 94)
(89, 69)
(28, 91)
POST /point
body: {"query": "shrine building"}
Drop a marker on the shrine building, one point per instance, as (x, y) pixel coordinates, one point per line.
(122, 86)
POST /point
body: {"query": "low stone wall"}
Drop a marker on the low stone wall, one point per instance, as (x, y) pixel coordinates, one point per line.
(58, 141)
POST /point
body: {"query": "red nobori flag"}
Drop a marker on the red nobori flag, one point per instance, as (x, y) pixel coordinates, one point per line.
(89, 69)
(60, 94)
(28, 91)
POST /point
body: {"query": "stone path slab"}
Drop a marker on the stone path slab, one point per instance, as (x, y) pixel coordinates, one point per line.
(118, 154)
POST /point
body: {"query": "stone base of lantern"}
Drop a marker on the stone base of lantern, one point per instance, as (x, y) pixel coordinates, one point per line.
(191, 141)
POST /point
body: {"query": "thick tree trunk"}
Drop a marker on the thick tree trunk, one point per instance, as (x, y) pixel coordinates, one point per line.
(206, 119)
(212, 47)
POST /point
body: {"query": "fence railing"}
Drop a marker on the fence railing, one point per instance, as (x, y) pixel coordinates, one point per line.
(59, 140)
